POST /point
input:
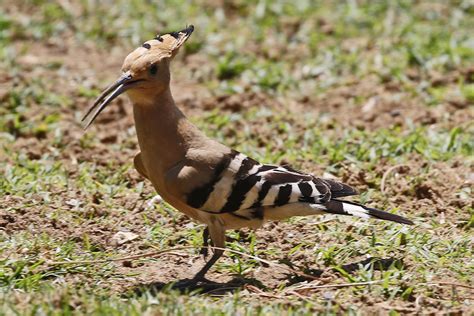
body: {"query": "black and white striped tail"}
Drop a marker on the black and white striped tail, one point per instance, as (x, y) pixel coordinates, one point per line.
(336, 206)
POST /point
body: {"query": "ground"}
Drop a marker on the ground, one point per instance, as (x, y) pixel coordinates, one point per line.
(379, 95)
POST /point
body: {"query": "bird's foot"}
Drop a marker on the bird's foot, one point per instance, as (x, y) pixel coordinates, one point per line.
(204, 251)
(199, 277)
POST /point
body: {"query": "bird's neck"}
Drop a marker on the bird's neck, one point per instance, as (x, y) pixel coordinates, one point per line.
(164, 133)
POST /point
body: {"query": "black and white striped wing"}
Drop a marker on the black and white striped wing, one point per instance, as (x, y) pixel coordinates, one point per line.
(246, 184)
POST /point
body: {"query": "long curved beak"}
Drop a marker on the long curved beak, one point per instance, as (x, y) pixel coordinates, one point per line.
(109, 94)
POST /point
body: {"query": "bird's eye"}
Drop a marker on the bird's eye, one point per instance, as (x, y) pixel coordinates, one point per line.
(153, 69)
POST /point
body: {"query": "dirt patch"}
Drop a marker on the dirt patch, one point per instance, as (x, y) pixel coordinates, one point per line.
(386, 106)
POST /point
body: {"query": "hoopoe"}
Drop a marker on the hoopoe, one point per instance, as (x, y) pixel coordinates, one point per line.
(202, 178)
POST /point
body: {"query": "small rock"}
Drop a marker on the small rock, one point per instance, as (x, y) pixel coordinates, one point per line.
(330, 176)
(328, 295)
(157, 199)
(73, 202)
(121, 238)
(29, 60)
(369, 106)
(127, 264)
(470, 177)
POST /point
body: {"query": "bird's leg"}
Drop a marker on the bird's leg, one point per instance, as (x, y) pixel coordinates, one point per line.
(200, 275)
(205, 242)
(217, 234)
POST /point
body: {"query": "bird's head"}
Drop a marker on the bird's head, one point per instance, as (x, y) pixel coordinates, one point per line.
(145, 71)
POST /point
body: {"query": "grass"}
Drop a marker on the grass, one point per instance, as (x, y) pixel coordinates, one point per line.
(343, 88)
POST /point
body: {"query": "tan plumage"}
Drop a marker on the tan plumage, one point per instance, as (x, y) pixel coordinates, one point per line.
(202, 178)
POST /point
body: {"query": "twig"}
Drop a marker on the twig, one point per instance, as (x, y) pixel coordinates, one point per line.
(264, 294)
(295, 290)
(387, 173)
(172, 251)
(298, 295)
(144, 255)
(450, 284)
(256, 291)
(397, 308)
(310, 287)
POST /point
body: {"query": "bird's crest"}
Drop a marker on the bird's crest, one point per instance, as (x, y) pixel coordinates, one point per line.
(161, 46)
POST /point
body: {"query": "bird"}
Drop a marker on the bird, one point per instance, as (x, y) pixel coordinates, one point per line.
(202, 178)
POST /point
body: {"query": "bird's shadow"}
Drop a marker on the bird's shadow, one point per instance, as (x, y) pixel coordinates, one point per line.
(187, 286)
